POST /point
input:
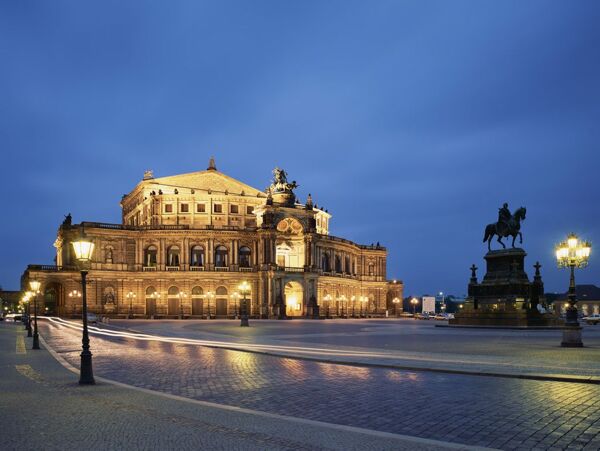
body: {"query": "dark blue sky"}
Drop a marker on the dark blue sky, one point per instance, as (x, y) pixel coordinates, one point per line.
(412, 122)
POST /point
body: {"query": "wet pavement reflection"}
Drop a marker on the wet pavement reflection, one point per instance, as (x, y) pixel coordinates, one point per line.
(465, 409)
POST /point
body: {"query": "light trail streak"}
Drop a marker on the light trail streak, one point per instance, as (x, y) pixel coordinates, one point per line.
(293, 351)
(219, 344)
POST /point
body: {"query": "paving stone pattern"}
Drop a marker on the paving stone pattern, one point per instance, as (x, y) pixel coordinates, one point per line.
(484, 411)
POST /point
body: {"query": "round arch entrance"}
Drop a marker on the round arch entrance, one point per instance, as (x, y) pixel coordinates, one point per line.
(294, 299)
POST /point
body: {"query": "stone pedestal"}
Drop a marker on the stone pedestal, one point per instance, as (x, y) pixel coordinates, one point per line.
(505, 297)
(571, 337)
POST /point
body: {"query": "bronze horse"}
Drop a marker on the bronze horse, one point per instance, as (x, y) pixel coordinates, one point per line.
(511, 228)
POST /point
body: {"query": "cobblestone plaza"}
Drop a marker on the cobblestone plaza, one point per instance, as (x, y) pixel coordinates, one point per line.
(496, 412)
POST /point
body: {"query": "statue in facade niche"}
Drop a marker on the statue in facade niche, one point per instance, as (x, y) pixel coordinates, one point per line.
(68, 220)
(508, 225)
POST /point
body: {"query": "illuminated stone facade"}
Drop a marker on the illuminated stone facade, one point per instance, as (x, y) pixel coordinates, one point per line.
(186, 242)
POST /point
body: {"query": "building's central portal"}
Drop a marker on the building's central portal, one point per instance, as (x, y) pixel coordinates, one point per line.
(294, 299)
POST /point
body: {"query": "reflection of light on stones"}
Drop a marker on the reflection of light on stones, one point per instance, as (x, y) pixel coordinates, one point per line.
(337, 372)
(397, 376)
(296, 368)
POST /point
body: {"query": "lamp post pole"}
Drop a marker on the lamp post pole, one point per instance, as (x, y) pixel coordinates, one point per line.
(83, 251)
(27, 309)
(244, 289)
(572, 253)
(86, 375)
(414, 303)
(208, 297)
(328, 299)
(35, 288)
(181, 295)
(130, 296)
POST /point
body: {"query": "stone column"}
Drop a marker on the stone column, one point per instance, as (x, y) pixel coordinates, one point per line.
(210, 253)
(162, 254)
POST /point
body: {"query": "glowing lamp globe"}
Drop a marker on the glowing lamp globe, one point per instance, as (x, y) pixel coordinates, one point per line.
(34, 285)
(83, 249)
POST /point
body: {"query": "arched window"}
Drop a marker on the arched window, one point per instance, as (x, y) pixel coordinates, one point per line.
(150, 256)
(221, 256)
(347, 265)
(197, 291)
(197, 256)
(371, 269)
(173, 291)
(173, 256)
(150, 291)
(221, 291)
(338, 264)
(325, 266)
(245, 255)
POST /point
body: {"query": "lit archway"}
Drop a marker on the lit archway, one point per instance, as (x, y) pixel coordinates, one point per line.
(294, 299)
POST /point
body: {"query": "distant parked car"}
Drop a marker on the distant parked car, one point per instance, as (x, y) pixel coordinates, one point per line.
(406, 315)
(592, 319)
(92, 318)
(423, 316)
(14, 317)
(441, 316)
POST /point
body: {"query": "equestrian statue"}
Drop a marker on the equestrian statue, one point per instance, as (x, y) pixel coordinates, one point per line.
(508, 225)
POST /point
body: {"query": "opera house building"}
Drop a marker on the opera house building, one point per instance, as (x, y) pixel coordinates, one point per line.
(187, 242)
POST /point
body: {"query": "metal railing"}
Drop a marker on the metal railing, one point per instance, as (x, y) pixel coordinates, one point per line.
(52, 268)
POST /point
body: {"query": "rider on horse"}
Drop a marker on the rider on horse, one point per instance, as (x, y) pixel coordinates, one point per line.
(504, 216)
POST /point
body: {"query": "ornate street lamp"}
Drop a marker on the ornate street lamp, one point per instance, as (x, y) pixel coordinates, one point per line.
(396, 301)
(328, 299)
(414, 302)
(181, 296)
(26, 308)
(209, 296)
(236, 300)
(35, 288)
(131, 296)
(244, 288)
(83, 252)
(572, 253)
(363, 306)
